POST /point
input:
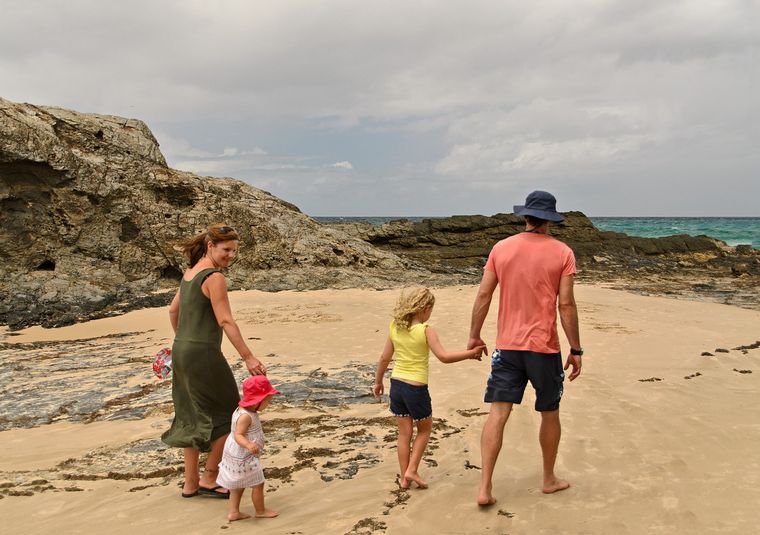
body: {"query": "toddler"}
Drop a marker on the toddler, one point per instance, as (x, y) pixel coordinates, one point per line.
(240, 467)
(411, 339)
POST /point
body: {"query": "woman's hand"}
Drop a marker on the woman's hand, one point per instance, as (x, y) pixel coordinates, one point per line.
(378, 390)
(255, 366)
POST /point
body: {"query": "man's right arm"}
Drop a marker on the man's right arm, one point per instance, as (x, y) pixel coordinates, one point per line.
(568, 315)
(480, 308)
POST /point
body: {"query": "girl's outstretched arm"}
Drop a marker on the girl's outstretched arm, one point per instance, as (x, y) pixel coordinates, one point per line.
(242, 425)
(448, 357)
(382, 365)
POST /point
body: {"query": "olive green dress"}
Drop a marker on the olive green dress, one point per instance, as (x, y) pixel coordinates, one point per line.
(204, 389)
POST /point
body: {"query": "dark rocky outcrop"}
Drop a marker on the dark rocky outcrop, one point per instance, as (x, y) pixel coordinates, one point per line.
(465, 241)
(89, 212)
(692, 266)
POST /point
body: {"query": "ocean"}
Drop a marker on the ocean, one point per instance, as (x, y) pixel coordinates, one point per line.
(732, 230)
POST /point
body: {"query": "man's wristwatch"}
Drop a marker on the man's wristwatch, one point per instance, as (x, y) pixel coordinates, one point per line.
(574, 351)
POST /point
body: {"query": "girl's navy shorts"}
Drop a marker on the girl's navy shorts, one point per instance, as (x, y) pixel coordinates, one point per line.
(511, 370)
(410, 400)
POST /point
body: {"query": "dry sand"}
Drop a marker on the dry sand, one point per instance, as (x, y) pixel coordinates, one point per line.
(657, 438)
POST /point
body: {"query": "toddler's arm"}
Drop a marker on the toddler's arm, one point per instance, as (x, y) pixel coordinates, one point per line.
(382, 365)
(447, 357)
(242, 425)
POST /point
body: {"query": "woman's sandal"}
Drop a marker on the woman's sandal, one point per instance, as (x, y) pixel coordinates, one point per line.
(213, 492)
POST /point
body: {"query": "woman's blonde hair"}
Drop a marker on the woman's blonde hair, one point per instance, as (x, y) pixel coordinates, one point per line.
(411, 303)
(194, 248)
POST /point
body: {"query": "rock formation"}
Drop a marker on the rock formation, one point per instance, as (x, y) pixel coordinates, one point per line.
(89, 214)
(692, 266)
(465, 241)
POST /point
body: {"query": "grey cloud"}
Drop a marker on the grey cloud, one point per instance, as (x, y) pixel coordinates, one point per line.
(590, 99)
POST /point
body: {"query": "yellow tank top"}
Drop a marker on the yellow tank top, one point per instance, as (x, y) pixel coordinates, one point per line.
(411, 351)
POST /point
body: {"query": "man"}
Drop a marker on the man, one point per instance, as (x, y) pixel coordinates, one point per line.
(532, 270)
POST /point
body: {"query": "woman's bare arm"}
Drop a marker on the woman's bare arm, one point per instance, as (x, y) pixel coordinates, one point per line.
(174, 312)
(216, 286)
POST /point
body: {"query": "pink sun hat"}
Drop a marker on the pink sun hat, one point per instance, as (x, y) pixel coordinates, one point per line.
(255, 389)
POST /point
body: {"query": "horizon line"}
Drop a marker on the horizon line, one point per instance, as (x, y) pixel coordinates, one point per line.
(589, 216)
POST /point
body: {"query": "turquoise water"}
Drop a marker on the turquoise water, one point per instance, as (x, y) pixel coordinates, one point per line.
(732, 230)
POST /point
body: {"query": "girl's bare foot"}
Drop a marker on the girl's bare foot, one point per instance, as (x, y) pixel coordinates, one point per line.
(414, 476)
(267, 513)
(555, 485)
(237, 516)
(403, 483)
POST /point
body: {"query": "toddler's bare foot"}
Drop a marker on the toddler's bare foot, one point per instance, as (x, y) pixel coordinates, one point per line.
(414, 476)
(555, 485)
(267, 513)
(237, 516)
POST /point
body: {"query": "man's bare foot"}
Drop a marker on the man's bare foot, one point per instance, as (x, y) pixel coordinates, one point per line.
(485, 498)
(555, 485)
(267, 513)
(414, 476)
(237, 516)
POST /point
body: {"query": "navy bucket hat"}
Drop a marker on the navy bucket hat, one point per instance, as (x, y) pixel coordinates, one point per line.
(540, 204)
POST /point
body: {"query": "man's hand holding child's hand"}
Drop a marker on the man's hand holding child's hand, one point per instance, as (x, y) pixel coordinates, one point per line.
(477, 352)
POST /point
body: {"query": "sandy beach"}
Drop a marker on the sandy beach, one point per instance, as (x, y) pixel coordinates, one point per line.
(657, 437)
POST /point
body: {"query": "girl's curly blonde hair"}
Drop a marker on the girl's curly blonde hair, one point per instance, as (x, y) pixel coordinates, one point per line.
(410, 304)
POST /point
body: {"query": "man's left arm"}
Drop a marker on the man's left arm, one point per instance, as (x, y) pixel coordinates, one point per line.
(568, 314)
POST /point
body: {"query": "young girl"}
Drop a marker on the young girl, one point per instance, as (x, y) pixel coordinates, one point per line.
(240, 466)
(411, 339)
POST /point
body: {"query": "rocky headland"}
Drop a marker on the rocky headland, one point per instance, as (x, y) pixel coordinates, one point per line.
(90, 213)
(689, 266)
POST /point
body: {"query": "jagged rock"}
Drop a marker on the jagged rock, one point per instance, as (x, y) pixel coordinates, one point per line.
(89, 212)
(681, 265)
(465, 241)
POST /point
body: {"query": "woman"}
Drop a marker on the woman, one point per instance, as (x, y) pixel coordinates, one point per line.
(204, 390)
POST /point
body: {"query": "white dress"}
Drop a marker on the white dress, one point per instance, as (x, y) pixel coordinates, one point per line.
(239, 468)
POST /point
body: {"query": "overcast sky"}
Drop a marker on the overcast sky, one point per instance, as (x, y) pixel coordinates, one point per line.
(420, 108)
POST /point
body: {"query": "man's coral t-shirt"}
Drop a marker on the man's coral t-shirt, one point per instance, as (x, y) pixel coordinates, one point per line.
(529, 267)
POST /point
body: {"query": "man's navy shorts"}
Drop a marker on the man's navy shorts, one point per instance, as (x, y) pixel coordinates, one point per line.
(511, 370)
(410, 400)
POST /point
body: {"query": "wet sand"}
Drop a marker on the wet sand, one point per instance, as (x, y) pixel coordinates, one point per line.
(657, 437)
